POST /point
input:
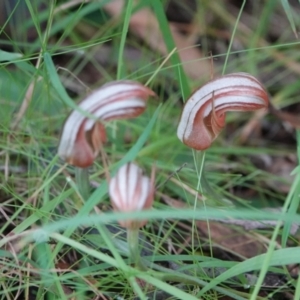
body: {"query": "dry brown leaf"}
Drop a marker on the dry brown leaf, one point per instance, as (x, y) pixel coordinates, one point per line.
(252, 125)
(281, 167)
(292, 119)
(236, 241)
(144, 25)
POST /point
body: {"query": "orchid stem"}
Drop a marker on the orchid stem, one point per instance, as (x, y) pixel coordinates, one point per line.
(208, 189)
(175, 278)
(204, 185)
(134, 251)
(83, 181)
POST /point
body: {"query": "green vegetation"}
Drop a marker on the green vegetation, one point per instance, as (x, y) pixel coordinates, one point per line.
(57, 243)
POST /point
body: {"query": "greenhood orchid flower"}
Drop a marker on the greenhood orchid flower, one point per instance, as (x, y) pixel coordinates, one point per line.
(82, 137)
(131, 191)
(204, 113)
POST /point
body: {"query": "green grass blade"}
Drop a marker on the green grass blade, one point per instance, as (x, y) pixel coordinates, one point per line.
(9, 56)
(288, 10)
(232, 36)
(42, 211)
(59, 88)
(185, 214)
(176, 292)
(293, 199)
(120, 71)
(35, 19)
(170, 44)
(56, 82)
(279, 258)
(76, 245)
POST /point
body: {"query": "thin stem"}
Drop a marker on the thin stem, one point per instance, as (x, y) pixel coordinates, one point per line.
(233, 36)
(134, 251)
(83, 181)
(199, 185)
(170, 275)
(160, 67)
(128, 11)
(209, 190)
(203, 185)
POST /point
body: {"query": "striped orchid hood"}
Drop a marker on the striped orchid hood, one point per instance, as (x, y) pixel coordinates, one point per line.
(131, 191)
(203, 116)
(82, 136)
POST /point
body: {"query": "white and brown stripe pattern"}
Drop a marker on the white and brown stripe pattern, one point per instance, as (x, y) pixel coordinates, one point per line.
(131, 191)
(82, 137)
(203, 116)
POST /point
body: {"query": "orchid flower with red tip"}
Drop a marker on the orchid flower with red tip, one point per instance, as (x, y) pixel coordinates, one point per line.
(131, 191)
(82, 137)
(204, 113)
